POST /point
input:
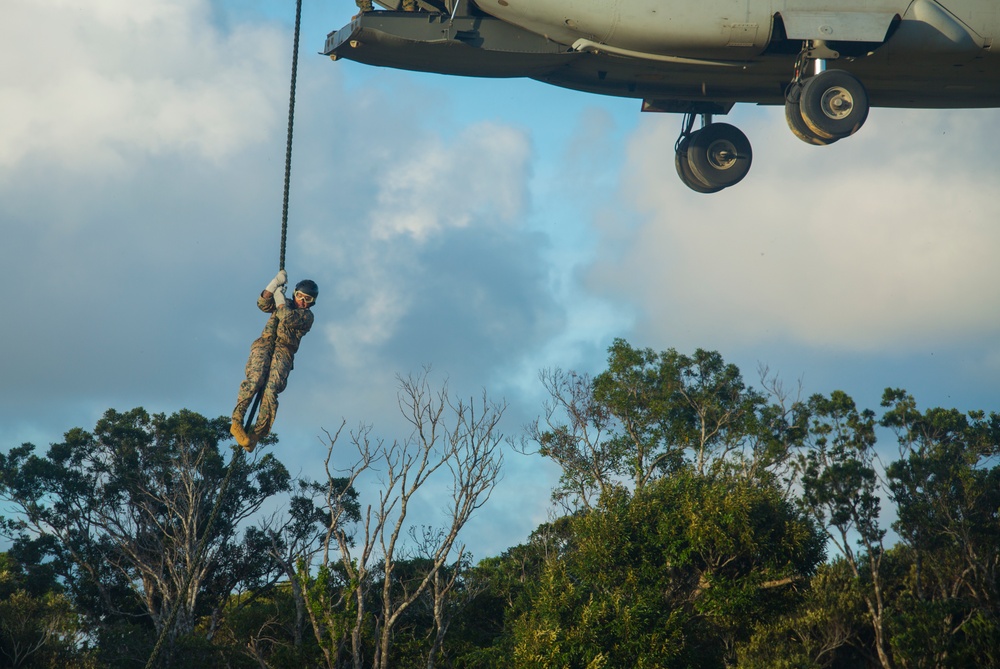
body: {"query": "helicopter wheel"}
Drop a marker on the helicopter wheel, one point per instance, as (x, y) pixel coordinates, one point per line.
(833, 104)
(719, 155)
(684, 169)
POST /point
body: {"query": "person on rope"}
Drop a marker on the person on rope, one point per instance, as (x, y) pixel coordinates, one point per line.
(272, 354)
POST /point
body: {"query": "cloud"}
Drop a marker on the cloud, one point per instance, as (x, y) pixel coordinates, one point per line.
(439, 184)
(163, 80)
(881, 242)
(440, 194)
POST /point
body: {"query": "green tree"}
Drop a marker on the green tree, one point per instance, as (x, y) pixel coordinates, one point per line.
(649, 414)
(669, 577)
(948, 520)
(38, 625)
(841, 491)
(269, 631)
(504, 592)
(828, 628)
(119, 513)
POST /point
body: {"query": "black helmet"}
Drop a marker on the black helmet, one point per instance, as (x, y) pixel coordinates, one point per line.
(307, 286)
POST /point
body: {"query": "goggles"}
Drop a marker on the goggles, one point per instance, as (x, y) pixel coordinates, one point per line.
(305, 297)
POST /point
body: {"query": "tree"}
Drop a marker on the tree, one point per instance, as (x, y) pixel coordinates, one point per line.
(841, 491)
(273, 625)
(670, 405)
(825, 629)
(452, 588)
(120, 512)
(649, 414)
(38, 625)
(673, 576)
(458, 437)
(947, 499)
(590, 462)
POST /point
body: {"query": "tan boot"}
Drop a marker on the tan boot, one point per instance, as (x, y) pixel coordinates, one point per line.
(241, 436)
(251, 444)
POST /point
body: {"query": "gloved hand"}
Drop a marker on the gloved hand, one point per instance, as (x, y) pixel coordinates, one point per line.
(280, 279)
(279, 295)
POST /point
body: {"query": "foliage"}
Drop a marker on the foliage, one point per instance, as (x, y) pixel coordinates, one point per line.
(698, 516)
(650, 414)
(948, 507)
(267, 631)
(667, 577)
(118, 513)
(825, 630)
(931, 600)
(38, 626)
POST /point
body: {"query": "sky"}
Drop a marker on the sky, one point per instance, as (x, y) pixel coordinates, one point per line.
(486, 229)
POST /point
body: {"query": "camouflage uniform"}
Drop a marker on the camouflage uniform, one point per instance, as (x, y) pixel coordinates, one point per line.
(364, 5)
(271, 360)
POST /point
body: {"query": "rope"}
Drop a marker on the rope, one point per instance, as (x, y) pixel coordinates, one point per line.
(288, 145)
(288, 180)
(251, 414)
(237, 453)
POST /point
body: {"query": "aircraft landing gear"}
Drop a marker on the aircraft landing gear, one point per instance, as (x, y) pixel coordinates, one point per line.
(715, 157)
(830, 105)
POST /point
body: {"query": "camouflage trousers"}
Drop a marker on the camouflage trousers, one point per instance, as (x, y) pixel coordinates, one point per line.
(267, 367)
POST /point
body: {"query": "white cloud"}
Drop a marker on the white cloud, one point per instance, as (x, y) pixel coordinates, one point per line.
(355, 339)
(884, 241)
(442, 184)
(435, 192)
(84, 84)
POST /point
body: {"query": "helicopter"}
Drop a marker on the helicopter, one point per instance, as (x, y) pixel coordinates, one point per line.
(827, 62)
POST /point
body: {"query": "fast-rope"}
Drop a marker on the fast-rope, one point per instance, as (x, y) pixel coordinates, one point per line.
(288, 177)
(238, 452)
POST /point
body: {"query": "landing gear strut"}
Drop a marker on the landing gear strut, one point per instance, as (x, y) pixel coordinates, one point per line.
(715, 157)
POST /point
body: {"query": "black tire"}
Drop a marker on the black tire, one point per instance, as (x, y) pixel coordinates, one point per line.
(719, 155)
(684, 169)
(799, 128)
(834, 103)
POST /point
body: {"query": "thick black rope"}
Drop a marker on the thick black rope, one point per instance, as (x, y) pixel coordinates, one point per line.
(288, 180)
(248, 425)
(237, 453)
(288, 144)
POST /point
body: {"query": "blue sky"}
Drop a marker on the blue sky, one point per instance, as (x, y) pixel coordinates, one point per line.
(487, 228)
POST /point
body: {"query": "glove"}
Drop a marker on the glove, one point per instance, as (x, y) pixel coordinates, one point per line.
(279, 296)
(280, 279)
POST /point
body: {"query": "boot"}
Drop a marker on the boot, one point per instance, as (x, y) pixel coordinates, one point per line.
(241, 436)
(251, 442)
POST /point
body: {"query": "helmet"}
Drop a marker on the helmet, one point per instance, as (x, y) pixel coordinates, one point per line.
(307, 286)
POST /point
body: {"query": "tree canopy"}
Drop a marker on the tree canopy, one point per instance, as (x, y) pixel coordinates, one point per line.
(700, 521)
